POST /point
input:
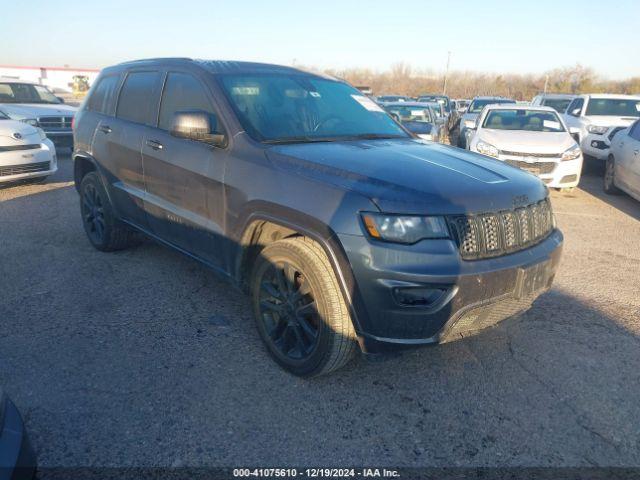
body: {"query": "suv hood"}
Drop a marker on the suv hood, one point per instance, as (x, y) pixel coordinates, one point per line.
(20, 111)
(527, 142)
(412, 176)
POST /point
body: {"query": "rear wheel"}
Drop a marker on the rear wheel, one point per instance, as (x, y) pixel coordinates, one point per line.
(299, 309)
(609, 177)
(103, 229)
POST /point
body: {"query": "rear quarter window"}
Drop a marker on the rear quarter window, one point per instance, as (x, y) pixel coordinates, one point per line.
(102, 96)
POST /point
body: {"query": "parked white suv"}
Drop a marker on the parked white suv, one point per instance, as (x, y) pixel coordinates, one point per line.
(598, 117)
(532, 138)
(33, 103)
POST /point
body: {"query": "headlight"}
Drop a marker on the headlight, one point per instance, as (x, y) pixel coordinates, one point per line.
(598, 130)
(43, 136)
(31, 121)
(487, 149)
(469, 123)
(573, 153)
(403, 228)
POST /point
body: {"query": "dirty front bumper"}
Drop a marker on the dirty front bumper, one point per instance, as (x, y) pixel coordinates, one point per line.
(425, 293)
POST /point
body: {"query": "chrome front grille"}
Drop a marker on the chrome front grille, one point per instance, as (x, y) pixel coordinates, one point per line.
(495, 234)
(533, 155)
(55, 123)
(538, 167)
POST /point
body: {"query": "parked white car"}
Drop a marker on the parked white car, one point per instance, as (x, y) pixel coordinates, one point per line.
(535, 139)
(558, 101)
(470, 116)
(35, 104)
(418, 118)
(598, 117)
(622, 172)
(25, 152)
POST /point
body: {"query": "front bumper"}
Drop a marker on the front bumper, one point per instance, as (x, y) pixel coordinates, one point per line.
(596, 146)
(476, 294)
(17, 165)
(17, 459)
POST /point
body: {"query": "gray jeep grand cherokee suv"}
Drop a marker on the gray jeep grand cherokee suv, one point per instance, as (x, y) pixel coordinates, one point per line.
(345, 229)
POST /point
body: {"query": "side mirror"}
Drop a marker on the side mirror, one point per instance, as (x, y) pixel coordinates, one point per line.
(198, 126)
(60, 99)
(573, 130)
(575, 133)
(575, 112)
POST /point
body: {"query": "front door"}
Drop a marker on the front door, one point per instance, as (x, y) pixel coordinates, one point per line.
(183, 178)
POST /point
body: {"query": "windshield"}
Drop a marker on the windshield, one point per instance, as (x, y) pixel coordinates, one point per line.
(558, 104)
(616, 107)
(405, 113)
(521, 119)
(276, 108)
(477, 105)
(25, 93)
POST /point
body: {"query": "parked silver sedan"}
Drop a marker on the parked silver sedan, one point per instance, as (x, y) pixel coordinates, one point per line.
(622, 173)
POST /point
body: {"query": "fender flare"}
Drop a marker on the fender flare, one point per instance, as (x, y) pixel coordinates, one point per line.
(319, 232)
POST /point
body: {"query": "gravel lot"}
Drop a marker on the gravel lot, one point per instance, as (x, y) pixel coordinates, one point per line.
(145, 358)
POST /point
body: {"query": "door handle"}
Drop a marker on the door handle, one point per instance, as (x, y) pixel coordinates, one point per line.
(156, 145)
(105, 128)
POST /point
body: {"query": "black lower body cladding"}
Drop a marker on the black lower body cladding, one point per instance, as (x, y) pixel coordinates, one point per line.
(458, 297)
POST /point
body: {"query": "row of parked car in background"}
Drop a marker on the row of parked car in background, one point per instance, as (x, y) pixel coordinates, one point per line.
(547, 137)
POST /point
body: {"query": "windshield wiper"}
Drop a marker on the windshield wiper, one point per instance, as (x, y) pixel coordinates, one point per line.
(284, 141)
(373, 136)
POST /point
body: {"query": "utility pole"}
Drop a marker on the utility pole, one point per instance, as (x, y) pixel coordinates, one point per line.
(546, 84)
(446, 74)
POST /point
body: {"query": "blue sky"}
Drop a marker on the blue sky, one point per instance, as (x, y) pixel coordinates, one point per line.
(485, 35)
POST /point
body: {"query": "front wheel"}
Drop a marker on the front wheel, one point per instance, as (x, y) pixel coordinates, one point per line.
(609, 178)
(299, 309)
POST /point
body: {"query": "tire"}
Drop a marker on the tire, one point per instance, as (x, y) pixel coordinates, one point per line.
(105, 232)
(608, 181)
(299, 309)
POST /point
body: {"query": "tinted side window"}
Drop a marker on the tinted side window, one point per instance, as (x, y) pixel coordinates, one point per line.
(634, 132)
(136, 95)
(183, 92)
(103, 94)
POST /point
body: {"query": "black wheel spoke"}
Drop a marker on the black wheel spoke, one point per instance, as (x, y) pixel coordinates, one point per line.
(271, 290)
(307, 308)
(307, 329)
(287, 309)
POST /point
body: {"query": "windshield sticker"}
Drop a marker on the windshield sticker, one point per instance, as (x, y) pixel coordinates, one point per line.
(245, 91)
(551, 124)
(367, 103)
(417, 113)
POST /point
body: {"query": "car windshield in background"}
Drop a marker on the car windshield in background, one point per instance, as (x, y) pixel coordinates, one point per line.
(520, 119)
(616, 107)
(435, 98)
(25, 93)
(477, 105)
(558, 104)
(410, 114)
(276, 108)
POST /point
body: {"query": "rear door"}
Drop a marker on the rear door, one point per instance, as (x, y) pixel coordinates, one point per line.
(121, 138)
(183, 177)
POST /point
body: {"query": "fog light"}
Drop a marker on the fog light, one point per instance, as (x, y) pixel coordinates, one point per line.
(594, 144)
(417, 297)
